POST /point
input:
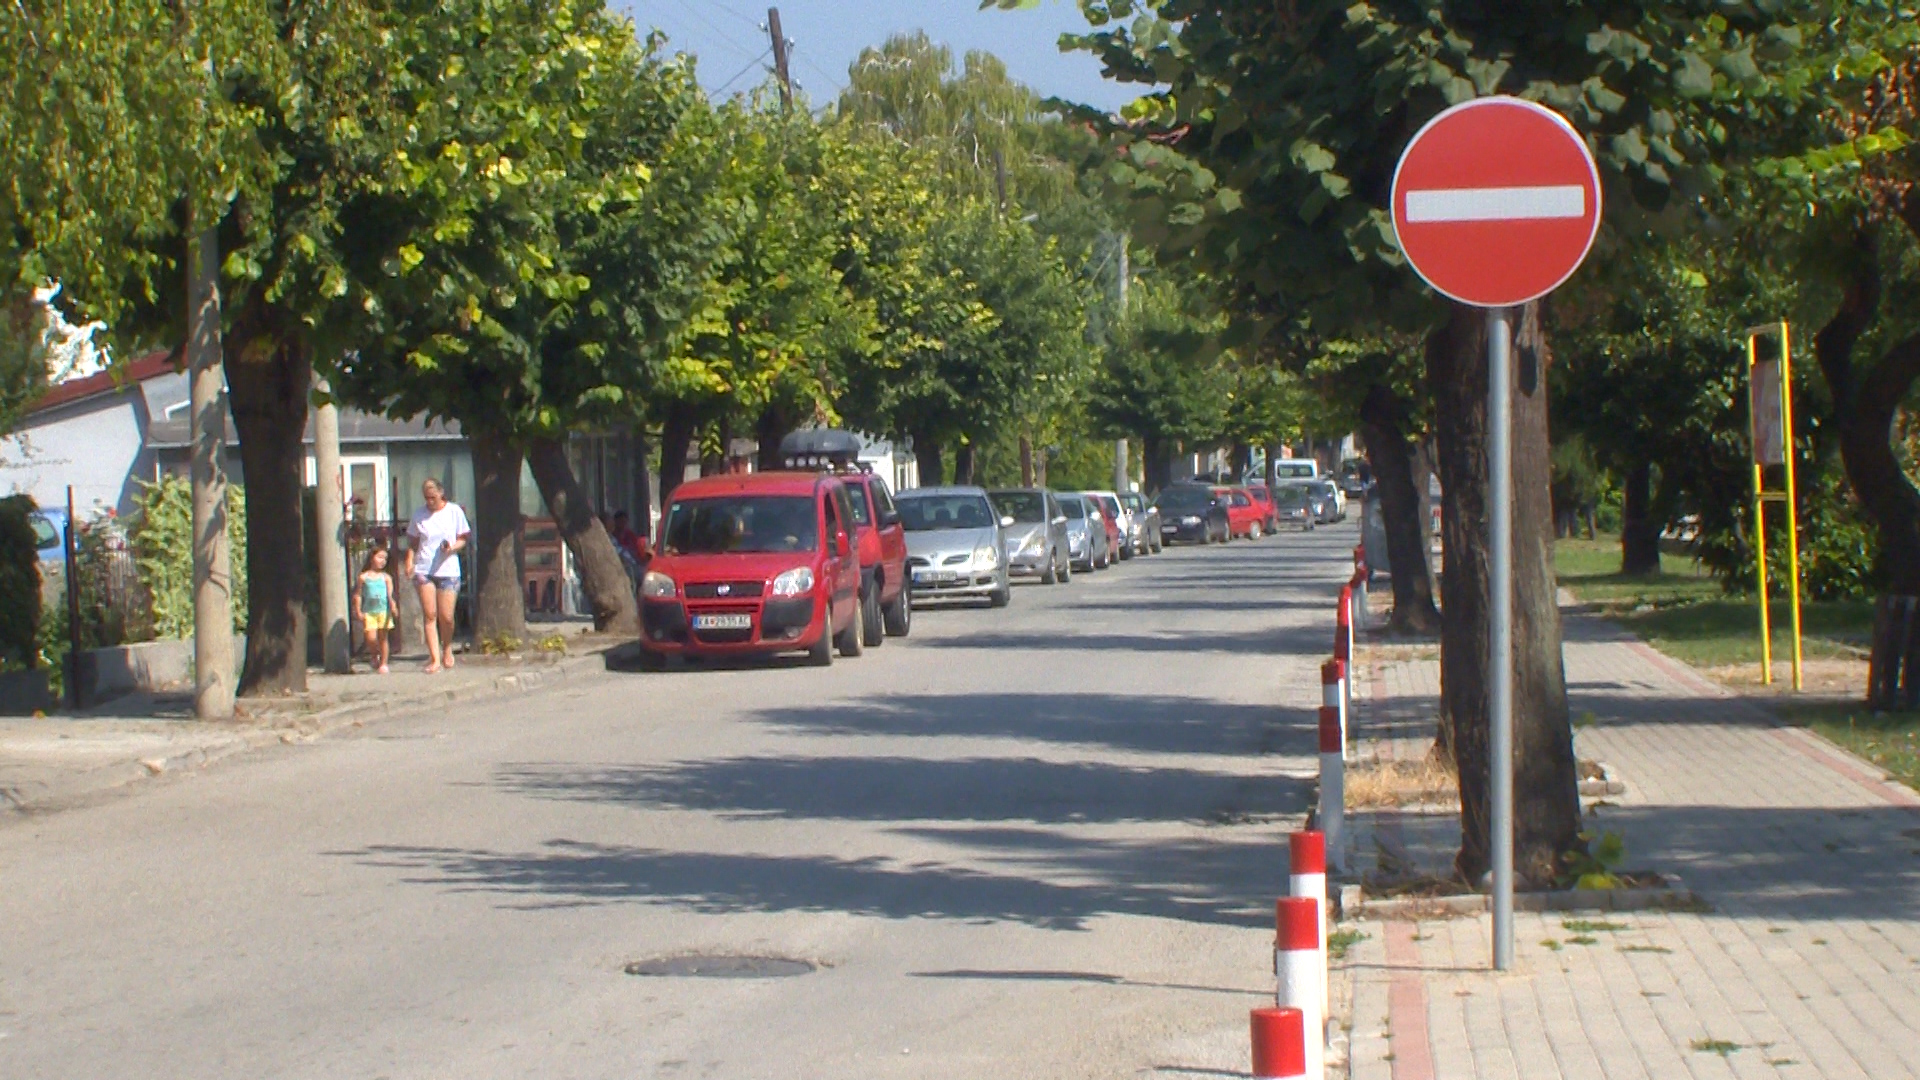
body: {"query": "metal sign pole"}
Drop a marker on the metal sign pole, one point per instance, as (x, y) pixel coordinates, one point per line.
(1500, 648)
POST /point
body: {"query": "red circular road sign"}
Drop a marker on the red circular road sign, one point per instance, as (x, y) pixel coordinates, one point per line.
(1496, 201)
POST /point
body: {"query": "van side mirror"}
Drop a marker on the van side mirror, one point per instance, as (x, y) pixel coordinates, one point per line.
(1006, 521)
(1061, 520)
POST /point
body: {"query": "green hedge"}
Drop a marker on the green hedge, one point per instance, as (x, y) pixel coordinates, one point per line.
(19, 585)
(161, 533)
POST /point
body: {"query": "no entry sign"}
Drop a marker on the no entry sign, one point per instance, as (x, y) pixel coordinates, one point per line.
(1496, 201)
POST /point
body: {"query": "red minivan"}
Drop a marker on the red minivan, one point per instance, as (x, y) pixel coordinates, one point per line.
(761, 563)
(886, 606)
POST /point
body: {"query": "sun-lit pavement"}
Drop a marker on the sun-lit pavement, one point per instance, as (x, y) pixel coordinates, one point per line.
(1805, 961)
(1034, 842)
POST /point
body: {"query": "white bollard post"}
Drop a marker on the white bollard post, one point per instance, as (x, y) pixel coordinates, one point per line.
(1297, 964)
(1279, 1045)
(1333, 694)
(1307, 876)
(1333, 788)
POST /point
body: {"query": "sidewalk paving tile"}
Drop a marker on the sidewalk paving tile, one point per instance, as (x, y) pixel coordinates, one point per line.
(1807, 963)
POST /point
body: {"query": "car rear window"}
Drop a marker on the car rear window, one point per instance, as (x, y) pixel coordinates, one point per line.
(1185, 498)
(44, 534)
(741, 523)
(1027, 506)
(925, 513)
(1073, 508)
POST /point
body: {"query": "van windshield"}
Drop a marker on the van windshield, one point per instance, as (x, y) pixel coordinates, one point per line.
(741, 524)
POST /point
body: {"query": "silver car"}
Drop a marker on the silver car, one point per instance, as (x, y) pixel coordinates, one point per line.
(955, 548)
(1035, 528)
(1145, 517)
(1086, 533)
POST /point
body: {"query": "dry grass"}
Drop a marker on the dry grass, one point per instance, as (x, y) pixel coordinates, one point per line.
(1402, 783)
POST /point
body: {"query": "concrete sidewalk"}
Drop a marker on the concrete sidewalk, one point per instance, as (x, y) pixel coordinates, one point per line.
(57, 762)
(1804, 960)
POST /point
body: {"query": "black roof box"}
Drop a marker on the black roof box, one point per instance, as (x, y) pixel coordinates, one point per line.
(814, 448)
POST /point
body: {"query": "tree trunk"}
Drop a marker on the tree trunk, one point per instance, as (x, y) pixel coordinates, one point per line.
(1639, 527)
(1273, 465)
(963, 463)
(1156, 463)
(676, 438)
(769, 430)
(926, 453)
(714, 462)
(1864, 410)
(1026, 460)
(269, 373)
(498, 563)
(329, 505)
(1242, 460)
(1383, 421)
(1545, 796)
(609, 589)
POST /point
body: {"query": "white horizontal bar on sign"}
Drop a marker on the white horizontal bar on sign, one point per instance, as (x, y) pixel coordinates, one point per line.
(1497, 204)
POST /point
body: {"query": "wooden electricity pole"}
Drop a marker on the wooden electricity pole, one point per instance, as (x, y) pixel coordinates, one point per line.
(213, 681)
(780, 57)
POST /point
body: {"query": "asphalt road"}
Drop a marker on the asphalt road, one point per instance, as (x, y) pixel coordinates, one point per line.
(1038, 842)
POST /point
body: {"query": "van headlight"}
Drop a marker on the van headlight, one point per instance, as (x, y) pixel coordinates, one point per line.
(657, 586)
(795, 582)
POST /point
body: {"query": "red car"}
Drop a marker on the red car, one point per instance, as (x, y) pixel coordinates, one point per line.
(754, 564)
(886, 607)
(1109, 517)
(1245, 517)
(1262, 495)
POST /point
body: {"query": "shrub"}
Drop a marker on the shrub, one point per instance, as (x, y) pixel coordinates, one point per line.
(161, 532)
(19, 584)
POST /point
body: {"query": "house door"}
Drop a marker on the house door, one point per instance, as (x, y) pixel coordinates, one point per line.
(365, 481)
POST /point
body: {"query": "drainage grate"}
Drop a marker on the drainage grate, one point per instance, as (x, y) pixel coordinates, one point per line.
(698, 966)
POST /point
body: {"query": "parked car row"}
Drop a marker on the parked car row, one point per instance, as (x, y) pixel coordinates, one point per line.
(1205, 513)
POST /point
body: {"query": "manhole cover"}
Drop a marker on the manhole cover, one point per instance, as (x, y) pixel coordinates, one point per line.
(696, 966)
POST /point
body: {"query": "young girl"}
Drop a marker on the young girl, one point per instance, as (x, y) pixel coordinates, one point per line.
(373, 605)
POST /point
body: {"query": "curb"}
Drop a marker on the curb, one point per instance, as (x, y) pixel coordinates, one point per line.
(307, 728)
(1674, 898)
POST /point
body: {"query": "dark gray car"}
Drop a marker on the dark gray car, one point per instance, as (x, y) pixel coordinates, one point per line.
(1035, 532)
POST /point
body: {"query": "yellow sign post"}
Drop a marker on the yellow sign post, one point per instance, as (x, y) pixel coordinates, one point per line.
(1770, 408)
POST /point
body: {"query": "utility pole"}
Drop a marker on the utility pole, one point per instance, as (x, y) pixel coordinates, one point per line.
(780, 57)
(213, 681)
(1120, 483)
(329, 499)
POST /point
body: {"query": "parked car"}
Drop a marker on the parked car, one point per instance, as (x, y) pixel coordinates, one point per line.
(1329, 505)
(1293, 506)
(50, 536)
(1264, 497)
(1034, 526)
(886, 606)
(1114, 517)
(1244, 516)
(1145, 519)
(954, 544)
(754, 564)
(1086, 533)
(1191, 513)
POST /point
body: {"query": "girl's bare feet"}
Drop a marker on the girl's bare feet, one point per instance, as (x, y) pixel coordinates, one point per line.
(446, 661)
(432, 668)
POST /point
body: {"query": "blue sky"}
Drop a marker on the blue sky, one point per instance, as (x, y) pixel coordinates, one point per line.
(828, 34)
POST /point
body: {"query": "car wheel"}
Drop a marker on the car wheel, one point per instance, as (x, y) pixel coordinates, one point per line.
(871, 632)
(849, 641)
(1253, 531)
(898, 616)
(821, 655)
(1001, 596)
(1051, 575)
(1066, 571)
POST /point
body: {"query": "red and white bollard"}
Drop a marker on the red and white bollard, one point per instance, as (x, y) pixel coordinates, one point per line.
(1333, 694)
(1307, 876)
(1343, 642)
(1297, 965)
(1333, 786)
(1279, 1045)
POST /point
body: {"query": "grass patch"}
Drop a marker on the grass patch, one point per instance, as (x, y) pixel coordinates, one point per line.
(1889, 740)
(1716, 1046)
(1582, 939)
(1401, 783)
(1645, 948)
(1683, 612)
(1340, 941)
(1587, 926)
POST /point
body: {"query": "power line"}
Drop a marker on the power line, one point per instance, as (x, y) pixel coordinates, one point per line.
(723, 35)
(751, 64)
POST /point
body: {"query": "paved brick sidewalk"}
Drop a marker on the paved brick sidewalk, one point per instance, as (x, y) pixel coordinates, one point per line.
(1807, 964)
